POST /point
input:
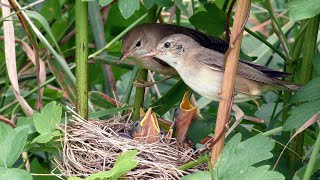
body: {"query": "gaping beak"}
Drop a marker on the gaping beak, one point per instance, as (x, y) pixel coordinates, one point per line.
(123, 56)
(151, 54)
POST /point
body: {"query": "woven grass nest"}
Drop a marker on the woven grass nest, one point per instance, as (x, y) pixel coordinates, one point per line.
(93, 146)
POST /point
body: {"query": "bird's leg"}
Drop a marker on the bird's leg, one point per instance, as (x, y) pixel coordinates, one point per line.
(239, 115)
(139, 83)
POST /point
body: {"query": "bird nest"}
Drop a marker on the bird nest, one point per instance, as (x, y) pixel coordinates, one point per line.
(93, 146)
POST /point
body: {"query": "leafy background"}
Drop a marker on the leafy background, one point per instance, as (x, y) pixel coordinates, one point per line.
(29, 145)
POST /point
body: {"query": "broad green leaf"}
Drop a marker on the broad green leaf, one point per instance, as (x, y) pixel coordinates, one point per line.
(46, 137)
(102, 113)
(104, 2)
(236, 158)
(11, 144)
(203, 175)
(45, 25)
(261, 172)
(303, 9)
(148, 3)
(201, 127)
(124, 163)
(47, 120)
(14, 174)
(301, 114)
(308, 92)
(127, 7)
(212, 21)
(51, 10)
(169, 100)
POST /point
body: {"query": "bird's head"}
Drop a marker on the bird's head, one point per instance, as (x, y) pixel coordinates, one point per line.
(135, 42)
(171, 48)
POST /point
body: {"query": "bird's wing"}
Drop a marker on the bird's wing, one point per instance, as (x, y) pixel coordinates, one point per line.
(215, 61)
(269, 72)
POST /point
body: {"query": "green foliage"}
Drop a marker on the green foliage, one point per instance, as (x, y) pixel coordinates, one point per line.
(128, 7)
(46, 122)
(308, 92)
(124, 163)
(301, 114)
(303, 9)
(211, 21)
(162, 3)
(11, 144)
(14, 174)
(237, 159)
(105, 2)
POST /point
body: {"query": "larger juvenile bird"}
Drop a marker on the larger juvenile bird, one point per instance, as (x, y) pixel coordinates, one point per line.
(202, 69)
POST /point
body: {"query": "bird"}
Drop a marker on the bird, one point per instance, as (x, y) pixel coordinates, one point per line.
(202, 69)
(145, 37)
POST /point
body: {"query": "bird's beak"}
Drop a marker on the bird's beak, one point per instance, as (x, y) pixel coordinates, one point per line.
(151, 54)
(124, 55)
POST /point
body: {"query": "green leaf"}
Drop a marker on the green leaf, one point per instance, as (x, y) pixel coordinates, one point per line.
(301, 114)
(148, 3)
(46, 137)
(261, 172)
(98, 99)
(316, 64)
(48, 119)
(303, 9)
(104, 2)
(169, 100)
(236, 158)
(45, 25)
(308, 92)
(14, 174)
(212, 21)
(11, 144)
(164, 3)
(124, 163)
(127, 7)
(203, 175)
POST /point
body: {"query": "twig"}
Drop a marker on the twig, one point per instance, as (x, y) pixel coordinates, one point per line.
(227, 90)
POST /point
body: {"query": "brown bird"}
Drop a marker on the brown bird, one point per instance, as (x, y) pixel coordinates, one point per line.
(145, 37)
(202, 69)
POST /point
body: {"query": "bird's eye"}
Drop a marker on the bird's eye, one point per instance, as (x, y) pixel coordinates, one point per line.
(167, 45)
(138, 44)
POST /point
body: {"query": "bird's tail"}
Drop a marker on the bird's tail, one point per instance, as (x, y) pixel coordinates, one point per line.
(292, 87)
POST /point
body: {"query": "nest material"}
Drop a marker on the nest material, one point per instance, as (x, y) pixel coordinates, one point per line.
(93, 146)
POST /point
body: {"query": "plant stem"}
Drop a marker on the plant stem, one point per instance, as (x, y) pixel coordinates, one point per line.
(194, 163)
(82, 57)
(127, 94)
(277, 29)
(313, 159)
(143, 73)
(227, 89)
(309, 49)
(276, 50)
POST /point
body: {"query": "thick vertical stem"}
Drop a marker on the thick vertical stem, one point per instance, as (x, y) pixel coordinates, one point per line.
(227, 90)
(143, 73)
(82, 57)
(309, 49)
